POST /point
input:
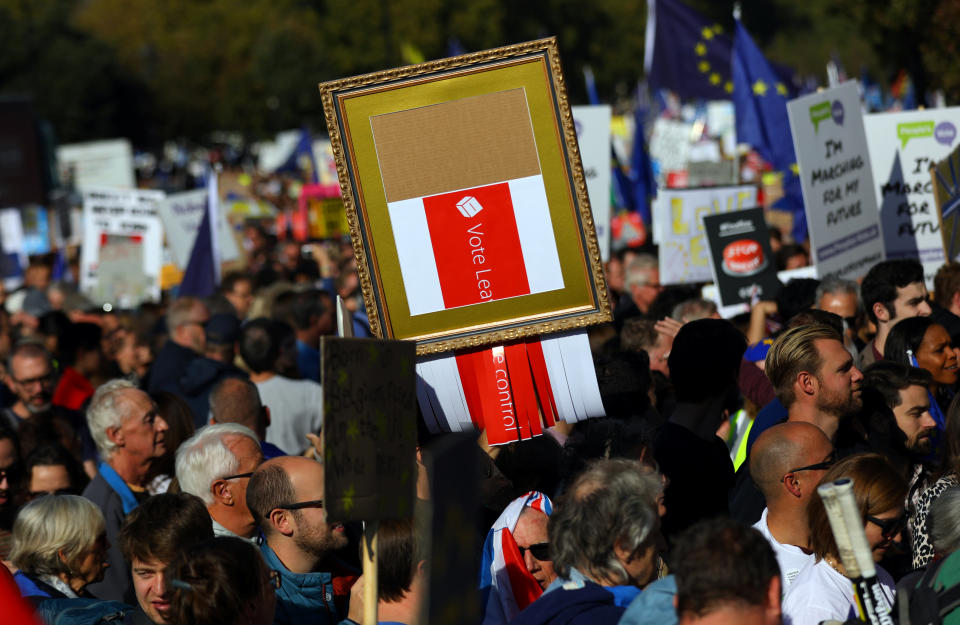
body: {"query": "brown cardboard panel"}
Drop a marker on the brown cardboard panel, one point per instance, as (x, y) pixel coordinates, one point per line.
(455, 145)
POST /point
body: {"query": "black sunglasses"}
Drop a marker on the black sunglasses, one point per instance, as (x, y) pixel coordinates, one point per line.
(316, 503)
(889, 527)
(820, 466)
(540, 551)
(238, 475)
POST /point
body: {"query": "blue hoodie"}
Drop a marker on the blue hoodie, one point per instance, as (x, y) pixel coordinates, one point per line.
(573, 603)
(302, 597)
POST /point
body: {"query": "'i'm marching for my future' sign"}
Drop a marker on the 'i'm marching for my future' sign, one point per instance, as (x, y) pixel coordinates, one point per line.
(837, 182)
(902, 148)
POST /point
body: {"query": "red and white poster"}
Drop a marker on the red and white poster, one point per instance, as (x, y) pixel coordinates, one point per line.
(476, 245)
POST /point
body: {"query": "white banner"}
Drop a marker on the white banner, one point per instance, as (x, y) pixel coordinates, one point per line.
(837, 183)
(902, 148)
(181, 215)
(593, 135)
(684, 253)
(98, 164)
(122, 247)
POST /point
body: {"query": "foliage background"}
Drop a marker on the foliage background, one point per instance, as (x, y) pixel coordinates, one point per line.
(152, 70)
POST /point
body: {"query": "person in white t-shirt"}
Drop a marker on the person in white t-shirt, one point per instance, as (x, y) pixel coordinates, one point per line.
(786, 464)
(296, 406)
(822, 590)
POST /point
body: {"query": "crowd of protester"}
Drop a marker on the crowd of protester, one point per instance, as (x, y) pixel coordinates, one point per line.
(164, 465)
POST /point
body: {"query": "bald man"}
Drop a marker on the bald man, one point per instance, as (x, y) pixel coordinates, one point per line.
(786, 463)
(237, 400)
(285, 497)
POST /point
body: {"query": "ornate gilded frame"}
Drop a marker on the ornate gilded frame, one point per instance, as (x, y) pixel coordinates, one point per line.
(352, 105)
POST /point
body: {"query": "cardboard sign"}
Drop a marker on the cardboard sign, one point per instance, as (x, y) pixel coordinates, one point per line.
(945, 177)
(684, 255)
(370, 428)
(325, 215)
(181, 214)
(454, 555)
(98, 164)
(592, 124)
(903, 146)
(741, 259)
(124, 227)
(837, 182)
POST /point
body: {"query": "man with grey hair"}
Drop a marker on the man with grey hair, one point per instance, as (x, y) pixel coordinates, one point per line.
(129, 435)
(216, 464)
(842, 298)
(643, 281)
(603, 536)
(186, 341)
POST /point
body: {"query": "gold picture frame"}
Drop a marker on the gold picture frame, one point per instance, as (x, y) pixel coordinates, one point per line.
(495, 124)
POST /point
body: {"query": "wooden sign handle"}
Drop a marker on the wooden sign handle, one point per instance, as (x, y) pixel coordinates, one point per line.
(370, 572)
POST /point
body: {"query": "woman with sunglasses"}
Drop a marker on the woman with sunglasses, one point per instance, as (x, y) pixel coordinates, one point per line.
(221, 582)
(822, 591)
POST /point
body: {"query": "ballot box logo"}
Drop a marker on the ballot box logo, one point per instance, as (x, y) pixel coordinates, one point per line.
(478, 259)
(469, 206)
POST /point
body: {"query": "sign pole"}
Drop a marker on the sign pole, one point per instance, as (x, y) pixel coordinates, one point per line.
(370, 582)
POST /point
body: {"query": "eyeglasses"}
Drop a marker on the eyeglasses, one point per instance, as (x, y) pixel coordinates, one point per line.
(237, 476)
(540, 551)
(889, 527)
(316, 503)
(820, 466)
(41, 493)
(43, 380)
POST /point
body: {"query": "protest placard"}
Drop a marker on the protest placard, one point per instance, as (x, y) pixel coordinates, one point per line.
(740, 256)
(13, 255)
(370, 428)
(683, 245)
(592, 124)
(454, 557)
(321, 207)
(181, 214)
(837, 182)
(98, 164)
(903, 146)
(123, 227)
(21, 172)
(945, 177)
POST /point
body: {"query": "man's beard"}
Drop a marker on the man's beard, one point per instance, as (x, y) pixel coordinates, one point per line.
(318, 542)
(839, 406)
(37, 409)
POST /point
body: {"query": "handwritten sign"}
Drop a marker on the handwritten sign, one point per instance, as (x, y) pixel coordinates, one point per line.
(837, 182)
(321, 208)
(370, 428)
(945, 177)
(903, 146)
(592, 124)
(125, 213)
(684, 255)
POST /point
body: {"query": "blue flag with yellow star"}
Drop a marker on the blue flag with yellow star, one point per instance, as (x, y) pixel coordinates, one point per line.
(686, 52)
(760, 106)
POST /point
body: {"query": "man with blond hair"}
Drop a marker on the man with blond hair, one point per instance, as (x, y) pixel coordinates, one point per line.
(814, 376)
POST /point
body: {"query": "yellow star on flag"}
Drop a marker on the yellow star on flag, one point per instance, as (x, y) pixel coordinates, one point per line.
(781, 88)
(352, 430)
(728, 87)
(795, 169)
(703, 66)
(700, 49)
(760, 88)
(342, 378)
(715, 79)
(348, 498)
(707, 34)
(717, 28)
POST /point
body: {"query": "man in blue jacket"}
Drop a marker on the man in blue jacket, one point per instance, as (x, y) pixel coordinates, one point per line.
(285, 496)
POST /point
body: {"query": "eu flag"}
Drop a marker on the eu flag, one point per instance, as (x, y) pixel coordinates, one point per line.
(202, 275)
(301, 159)
(686, 52)
(760, 106)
